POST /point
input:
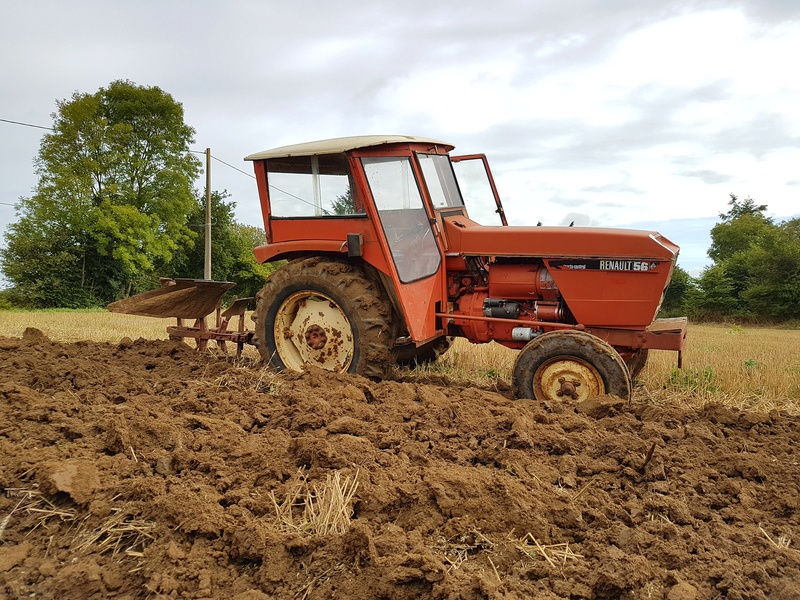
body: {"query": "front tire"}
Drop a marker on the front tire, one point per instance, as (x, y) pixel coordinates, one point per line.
(325, 313)
(569, 366)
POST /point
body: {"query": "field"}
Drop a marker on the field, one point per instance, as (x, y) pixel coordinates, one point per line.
(742, 367)
(134, 467)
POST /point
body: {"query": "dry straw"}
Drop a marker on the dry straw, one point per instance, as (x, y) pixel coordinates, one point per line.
(782, 542)
(33, 502)
(556, 555)
(120, 532)
(312, 509)
(456, 551)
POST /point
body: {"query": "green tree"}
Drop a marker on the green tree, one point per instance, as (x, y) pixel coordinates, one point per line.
(679, 294)
(738, 209)
(741, 227)
(249, 275)
(112, 199)
(344, 204)
(756, 270)
(774, 284)
(716, 298)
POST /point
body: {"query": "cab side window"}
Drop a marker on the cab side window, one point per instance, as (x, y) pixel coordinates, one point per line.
(312, 186)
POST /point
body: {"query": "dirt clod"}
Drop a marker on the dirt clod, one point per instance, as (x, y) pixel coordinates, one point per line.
(146, 470)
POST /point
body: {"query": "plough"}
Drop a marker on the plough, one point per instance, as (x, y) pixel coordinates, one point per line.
(193, 300)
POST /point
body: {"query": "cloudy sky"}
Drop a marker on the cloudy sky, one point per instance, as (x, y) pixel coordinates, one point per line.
(620, 113)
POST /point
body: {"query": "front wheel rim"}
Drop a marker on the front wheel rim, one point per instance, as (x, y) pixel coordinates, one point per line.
(312, 329)
(567, 379)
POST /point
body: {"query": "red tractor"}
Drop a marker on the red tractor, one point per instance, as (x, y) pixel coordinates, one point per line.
(394, 247)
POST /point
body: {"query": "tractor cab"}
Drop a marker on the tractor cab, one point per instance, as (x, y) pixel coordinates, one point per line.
(376, 199)
(405, 182)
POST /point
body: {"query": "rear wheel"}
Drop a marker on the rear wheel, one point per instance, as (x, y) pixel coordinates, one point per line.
(325, 313)
(570, 366)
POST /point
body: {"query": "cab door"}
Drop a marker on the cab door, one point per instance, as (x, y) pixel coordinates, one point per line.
(412, 241)
(478, 189)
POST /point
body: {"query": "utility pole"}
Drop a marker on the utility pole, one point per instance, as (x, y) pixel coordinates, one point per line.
(207, 269)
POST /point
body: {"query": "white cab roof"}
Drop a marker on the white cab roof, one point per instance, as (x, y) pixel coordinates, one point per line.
(343, 144)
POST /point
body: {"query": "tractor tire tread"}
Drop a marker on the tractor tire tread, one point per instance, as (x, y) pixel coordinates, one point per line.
(361, 299)
(570, 343)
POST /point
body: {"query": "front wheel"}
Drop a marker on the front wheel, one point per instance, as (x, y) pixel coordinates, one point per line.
(324, 313)
(570, 366)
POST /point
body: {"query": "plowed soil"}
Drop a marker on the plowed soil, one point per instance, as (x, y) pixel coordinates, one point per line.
(145, 470)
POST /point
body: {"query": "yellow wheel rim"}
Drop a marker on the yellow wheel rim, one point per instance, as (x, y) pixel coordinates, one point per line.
(311, 329)
(567, 379)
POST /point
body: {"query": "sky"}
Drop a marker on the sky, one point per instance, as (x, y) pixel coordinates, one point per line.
(623, 113)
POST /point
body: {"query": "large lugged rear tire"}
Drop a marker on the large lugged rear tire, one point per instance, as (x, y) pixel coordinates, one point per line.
(570, 366)
(326, 313)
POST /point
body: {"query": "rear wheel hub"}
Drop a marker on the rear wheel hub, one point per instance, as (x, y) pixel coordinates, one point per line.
(310, 328)
(316, 338)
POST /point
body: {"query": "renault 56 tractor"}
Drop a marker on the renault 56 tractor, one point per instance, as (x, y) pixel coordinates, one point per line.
(394, 247)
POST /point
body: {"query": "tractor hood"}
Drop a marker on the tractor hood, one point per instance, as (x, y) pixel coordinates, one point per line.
(468, 238)
(608, 277)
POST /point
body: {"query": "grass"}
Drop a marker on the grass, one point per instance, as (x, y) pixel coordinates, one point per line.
(743, 367)
(748, 368)
(98, 325)
(77, 325)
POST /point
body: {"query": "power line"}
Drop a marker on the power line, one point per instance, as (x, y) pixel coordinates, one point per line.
(190, 150)
(253, 177)
(232, 167)
(224, 163)
(193, 151)
(26, 124)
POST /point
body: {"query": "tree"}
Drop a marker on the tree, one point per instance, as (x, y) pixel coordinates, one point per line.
(111, 203)
(679, 294)
(249, 274)
(742, 227)
(716, 298)
(344, 204)
(756, 270)
(774, 285)
(738, 209)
